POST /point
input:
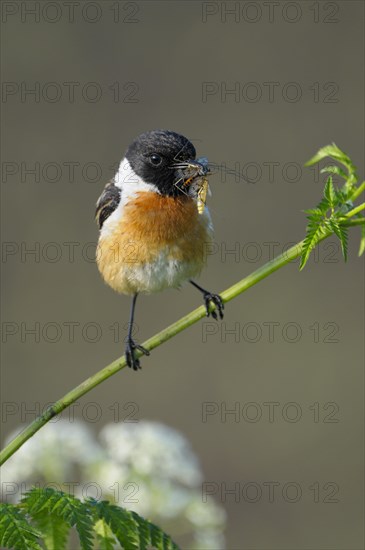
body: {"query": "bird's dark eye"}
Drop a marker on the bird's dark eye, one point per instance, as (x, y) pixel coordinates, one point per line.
(156, 159)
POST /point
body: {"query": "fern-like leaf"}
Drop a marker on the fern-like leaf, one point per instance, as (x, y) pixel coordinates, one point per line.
(156, 537)
(335, 153)
(131, 530)
(121, 523)
(329, 193)
(53, 528)
(315, 230)
(69, 508)
(15, 530)
(342, 234)
(104, 536)
(333, 169)
(314, 213)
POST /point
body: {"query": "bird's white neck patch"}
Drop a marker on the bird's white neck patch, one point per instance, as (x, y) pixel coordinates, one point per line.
(130, 185)
(129, 182)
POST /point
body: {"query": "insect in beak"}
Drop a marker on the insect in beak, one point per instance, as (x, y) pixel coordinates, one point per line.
(201, 169)
(194, 174)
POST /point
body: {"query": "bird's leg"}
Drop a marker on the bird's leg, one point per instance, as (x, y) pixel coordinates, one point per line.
(209, 297)
(131, 346)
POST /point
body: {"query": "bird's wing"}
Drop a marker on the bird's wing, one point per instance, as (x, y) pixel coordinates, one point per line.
(107, 203)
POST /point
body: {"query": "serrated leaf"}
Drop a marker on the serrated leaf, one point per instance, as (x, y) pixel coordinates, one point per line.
(68, 507)
(334, 170)
(335, 153)
(121, 523)
(323, 206)
(314, 231)
(15, 530)
(53, 528)
(329, 193)
(157, 538)
(342, 234)
(104, 536)
(314, 213)
(329, 151)
(131, 530)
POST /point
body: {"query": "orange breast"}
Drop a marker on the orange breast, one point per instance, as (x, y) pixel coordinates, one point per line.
(152, 223)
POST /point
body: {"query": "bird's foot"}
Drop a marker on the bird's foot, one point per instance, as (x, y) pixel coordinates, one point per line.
(217, 301)
(133, 361)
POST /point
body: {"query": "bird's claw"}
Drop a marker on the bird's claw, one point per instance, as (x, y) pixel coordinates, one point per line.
(133, 361)
(217, 301)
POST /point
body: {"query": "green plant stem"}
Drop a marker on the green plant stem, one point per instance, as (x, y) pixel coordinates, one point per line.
(356, 210)
(155, 341)
(352, 223)
(358, 191)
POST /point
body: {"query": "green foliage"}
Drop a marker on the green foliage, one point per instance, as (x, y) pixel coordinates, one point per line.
(45, 516)
(329, 215)
(55, 530)
(15, 531)
(336, 154)
(66, 507)
(104, 536)
(131, 530)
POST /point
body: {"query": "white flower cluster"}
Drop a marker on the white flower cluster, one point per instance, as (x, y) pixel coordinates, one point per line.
(147, 467)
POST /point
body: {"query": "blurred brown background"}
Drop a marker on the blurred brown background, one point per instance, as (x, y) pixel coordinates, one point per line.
(159, 57)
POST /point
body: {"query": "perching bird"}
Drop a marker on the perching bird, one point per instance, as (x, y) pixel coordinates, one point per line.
(154, 226)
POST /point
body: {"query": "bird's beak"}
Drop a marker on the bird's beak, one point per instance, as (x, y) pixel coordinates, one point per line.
(200, 165)
(192, 170)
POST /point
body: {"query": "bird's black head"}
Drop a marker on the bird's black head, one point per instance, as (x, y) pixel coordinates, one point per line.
(165, 159)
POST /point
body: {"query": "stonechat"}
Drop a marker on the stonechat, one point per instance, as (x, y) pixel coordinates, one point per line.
(154, 224)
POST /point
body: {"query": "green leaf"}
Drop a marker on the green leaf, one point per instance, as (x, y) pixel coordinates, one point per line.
(314, 213)
(121, 523)
(330, 151)
(15, 530)
(330, 193)
(314, 231)
(332, 169)
(132, 531)
(104, 536)
(342, 234)
(69, 508)
(157, 538)
(53, 528)
(323, 206)
(335, 153)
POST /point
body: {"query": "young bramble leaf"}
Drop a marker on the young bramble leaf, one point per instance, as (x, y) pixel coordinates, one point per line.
(15, 530)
